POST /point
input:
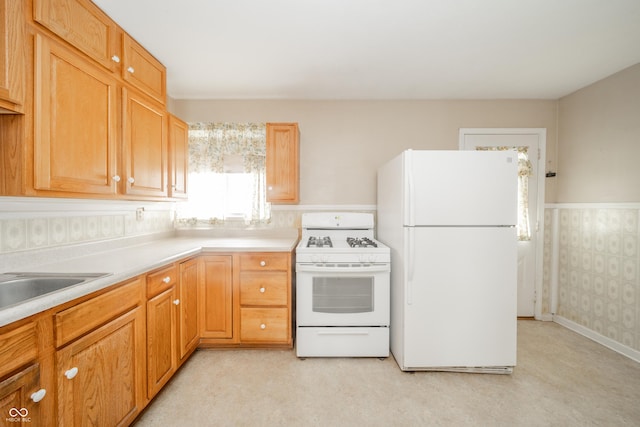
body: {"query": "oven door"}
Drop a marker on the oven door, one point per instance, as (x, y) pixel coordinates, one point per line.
(342, 295)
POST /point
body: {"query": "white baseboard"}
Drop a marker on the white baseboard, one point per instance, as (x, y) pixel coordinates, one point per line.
(599, 338)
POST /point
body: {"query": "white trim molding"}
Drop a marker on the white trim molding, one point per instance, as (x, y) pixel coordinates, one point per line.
(599, 338)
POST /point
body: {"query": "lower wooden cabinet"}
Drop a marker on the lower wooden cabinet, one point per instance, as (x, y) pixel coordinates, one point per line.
(216, 299)
(172, 321)
(188, 330)
(101, 375)
(265, 298)
(161, 340)
(245, 300)
(101, 359)
(20, 397)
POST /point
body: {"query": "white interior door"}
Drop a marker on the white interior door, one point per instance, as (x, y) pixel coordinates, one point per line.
(529, 251)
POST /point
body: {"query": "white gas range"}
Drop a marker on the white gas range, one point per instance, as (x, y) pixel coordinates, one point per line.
(342, 287)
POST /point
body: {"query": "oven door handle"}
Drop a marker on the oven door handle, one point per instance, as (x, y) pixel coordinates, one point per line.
(313, 268)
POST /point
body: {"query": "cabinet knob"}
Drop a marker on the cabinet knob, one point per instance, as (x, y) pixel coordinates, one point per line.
(262, 289)
(38, 395)
(263, 263)
(71, 373)
(116, 178)
(166, 279)
(263, 326)
(115, 58)
(131, 70)
(270, 188)
(131, 180)
(176, 302)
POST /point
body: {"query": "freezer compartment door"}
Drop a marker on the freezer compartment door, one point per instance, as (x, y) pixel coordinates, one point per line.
(460, 308)
(461, 187)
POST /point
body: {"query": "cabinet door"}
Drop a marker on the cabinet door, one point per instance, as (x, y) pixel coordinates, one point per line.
(83, 25)
(282, 163)
(142, 70)
(17, 406)
(144, 146)
(188, 331)
(178, 157)
(75, 123)
(161, 340)
(12, 59)
(101, 375)
(216, 297)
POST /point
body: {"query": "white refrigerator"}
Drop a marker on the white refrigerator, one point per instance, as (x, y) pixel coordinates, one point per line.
(449, 218)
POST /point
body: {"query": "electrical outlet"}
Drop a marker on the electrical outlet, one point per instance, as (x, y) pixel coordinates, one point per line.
(139, 214)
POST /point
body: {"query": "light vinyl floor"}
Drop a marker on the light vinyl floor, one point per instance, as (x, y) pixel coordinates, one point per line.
(562, 379)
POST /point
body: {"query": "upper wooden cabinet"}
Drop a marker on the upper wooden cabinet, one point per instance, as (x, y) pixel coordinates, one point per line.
(142, 70)
(282, 163)
(178, 157)
(144, 146)
(84, 26)
(12, 59)
(75, 129)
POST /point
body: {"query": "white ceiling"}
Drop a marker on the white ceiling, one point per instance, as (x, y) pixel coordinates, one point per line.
(382, 49)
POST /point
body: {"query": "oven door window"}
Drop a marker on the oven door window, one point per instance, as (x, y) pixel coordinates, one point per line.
(343, 294)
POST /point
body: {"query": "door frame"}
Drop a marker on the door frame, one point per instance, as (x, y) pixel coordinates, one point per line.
(539, 224)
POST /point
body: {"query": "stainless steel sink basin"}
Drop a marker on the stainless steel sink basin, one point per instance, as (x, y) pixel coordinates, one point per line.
(20, 287)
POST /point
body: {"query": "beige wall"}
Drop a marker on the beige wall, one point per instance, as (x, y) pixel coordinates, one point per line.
(344, 142)
(599, 134)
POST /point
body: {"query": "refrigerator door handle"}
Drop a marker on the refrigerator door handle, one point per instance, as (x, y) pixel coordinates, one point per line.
(408, 183)
(410, 263)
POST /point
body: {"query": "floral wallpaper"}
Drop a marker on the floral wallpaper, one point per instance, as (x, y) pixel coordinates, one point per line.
(598, 269)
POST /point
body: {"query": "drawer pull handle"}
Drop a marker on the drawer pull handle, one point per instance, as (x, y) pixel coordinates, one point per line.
(262, 289)
(38, 395)
(71, 373)
(176, 302)
(263, 326)
(166, 279)
(263, 263)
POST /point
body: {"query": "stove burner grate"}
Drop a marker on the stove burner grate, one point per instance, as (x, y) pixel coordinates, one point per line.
(361, 242)
(319, 242)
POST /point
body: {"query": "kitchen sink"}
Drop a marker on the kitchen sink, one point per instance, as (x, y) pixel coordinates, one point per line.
(20, 287)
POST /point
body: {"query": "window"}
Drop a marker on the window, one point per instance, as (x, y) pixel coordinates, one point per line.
(227, 175)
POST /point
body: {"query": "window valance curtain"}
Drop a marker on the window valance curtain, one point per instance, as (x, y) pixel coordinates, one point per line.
(227, 175)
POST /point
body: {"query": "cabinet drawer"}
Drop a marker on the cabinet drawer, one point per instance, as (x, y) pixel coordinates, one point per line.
(160, 280)
(264, 261)
(17, 347)
(258, 288)
(264, 324)
(82, 318)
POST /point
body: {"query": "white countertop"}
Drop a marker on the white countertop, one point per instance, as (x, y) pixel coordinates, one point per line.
(130, 261)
